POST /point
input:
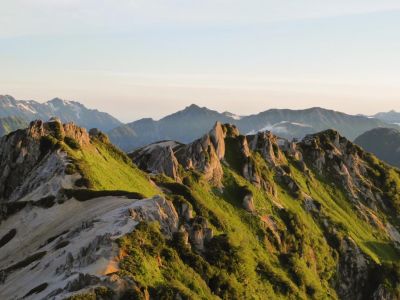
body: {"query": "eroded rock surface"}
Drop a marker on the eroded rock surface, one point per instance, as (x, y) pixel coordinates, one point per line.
(78, 242)
(27, 159)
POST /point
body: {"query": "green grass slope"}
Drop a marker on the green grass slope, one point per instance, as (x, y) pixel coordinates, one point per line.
(282, 250)
(104, 168)
(307, 237)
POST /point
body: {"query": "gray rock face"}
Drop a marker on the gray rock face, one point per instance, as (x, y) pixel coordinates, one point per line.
(334, 156)
(27, 161)
(248, 203)
(159, 210)
(199, 233)
(353, 271)
(217, 135)
(186, 212)
(207, 153)
(158, 158)
(267, 145)
(16, 161)
(77, 242)
(203, 155)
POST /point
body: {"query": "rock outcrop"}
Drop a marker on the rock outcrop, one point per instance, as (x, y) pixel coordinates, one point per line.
(268, 145)
(158, 158)
(199, 233)
(217, 136)
(334, 157)
(159, 210)
(203, 155)
(248, 203)
(353, 271)
(29, 157)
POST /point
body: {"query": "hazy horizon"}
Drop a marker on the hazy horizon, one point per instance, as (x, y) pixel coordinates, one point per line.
(161, 114)
(150, 58)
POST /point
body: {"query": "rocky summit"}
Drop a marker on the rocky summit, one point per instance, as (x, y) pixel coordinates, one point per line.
(225, 216)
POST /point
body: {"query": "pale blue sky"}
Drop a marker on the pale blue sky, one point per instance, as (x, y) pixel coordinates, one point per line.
(137, 58)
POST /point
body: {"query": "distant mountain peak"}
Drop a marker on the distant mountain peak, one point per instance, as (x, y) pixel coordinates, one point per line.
(187, 124)
(391, 116)
(58, 100)
(62, 102)
(7, 99)
(195, 107)
(192, 110)
(66, 110)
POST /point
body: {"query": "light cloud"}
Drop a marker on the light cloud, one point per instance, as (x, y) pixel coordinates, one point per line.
(40, 17)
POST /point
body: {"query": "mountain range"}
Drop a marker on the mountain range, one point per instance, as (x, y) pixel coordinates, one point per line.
(184, 126)
(226, 216)
(389, 117)
(67, 111)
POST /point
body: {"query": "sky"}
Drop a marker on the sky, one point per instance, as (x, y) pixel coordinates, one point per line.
(149, 58)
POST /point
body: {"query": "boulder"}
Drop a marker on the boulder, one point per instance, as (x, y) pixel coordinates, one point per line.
(248, 203)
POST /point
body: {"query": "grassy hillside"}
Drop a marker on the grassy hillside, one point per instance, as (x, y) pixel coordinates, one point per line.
(319, 227)
(104, 167)
(284, 249)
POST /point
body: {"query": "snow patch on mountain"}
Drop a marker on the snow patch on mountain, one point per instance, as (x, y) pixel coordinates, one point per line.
(27, 108)
(280, 127)
(65, 110)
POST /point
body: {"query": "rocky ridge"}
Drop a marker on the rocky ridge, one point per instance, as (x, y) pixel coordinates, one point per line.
(27, 160)
(57, 237)
(240, 215)
(324, 155)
